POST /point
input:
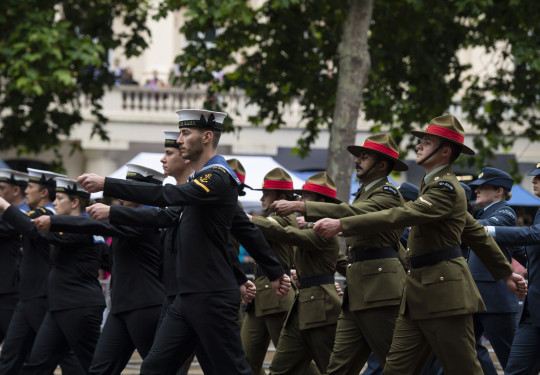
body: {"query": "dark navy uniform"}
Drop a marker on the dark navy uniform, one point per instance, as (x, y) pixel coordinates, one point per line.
(525, 353)
(205, 310)
(10, 258)
(75, 298)
(136, 290)
(32, 305)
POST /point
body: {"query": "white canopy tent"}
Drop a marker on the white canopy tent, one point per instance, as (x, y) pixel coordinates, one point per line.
(256, 168)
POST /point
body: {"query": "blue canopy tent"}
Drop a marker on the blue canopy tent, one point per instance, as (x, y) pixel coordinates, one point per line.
(521, 197)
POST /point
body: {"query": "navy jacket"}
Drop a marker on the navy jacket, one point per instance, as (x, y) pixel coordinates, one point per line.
(496, 296)
(135, 280)
(529, 236)
(75, 258)
(35, 263)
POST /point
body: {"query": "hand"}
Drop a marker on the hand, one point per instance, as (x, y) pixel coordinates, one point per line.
(281, 285)
(338, 288)
(91, 182)
(327, 227)
(250, 217)
(517, 284)
(4, 205)
(99, 211)
(43, 223)
(294, 277)
(285, 208)
(247, 291)
(486, 229)
(301, 220)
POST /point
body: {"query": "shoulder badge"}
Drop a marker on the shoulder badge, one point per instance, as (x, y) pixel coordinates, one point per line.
(446, 185)
(202, 181)
(390, 190)
(508, 212)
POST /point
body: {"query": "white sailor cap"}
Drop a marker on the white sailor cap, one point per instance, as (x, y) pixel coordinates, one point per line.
(170, 138)
(13, 177)
(144, 174)
(71, 187)
(43, 177)
(200, 118)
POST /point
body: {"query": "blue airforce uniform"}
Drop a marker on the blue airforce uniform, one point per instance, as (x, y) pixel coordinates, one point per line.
(498, 323)
(525, 353)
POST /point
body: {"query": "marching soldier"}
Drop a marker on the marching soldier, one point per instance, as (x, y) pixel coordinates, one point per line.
(309, 330)
(12, 185)
(440, 295)
(376, 277)
(265, 315)
(499, 322)
(525, 353)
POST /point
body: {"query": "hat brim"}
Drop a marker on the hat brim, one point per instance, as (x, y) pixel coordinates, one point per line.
(398, 164)
(534, 172)
(497, 182)
(464, 149)
(330, 199)
(263, 189)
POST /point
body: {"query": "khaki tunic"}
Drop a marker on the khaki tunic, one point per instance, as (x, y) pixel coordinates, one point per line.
(438, 220)
(364, 279)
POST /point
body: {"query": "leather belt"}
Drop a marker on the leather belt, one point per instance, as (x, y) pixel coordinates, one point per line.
(373, 253)
(434, 257)
(307, 282)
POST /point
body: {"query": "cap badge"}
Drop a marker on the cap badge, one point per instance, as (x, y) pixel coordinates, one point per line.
(481, 175)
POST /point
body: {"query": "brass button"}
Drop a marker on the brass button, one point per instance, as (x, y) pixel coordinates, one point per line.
(380, 269)
(407, 249)
(349, 265)
(441, 278)
(408, 273)
(312, 297)
(266, 286)
(436, 178)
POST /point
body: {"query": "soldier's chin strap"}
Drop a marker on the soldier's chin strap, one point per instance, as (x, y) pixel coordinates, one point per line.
(432, 153)
(370, 168)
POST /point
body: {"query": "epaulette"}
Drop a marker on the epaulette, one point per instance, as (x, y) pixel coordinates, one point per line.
(390, 189)
(445, 184)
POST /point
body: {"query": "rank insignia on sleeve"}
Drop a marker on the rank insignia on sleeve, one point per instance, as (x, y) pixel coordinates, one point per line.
(201, 181)
(390, 189)
(447, 185)
(424, 201)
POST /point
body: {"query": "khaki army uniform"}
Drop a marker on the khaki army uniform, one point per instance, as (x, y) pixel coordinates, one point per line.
(309, 330)
(265, 315)
(440, 295)
(375, 281)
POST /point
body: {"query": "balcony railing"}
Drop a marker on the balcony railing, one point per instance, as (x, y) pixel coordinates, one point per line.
(146, 101)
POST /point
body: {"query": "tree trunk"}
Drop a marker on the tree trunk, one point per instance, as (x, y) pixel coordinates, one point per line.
(354, 65)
